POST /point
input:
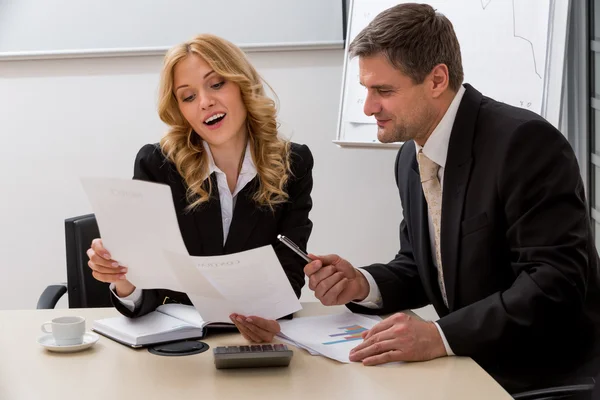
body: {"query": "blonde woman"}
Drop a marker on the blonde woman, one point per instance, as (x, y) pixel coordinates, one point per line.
(236, 183)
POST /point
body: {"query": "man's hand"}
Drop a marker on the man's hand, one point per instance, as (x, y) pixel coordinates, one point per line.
(400, 337)
(335, 281)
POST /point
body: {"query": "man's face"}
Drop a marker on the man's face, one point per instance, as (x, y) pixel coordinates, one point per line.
(401, 107)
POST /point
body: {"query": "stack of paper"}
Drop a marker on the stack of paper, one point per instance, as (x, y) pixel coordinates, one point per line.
(332, 336)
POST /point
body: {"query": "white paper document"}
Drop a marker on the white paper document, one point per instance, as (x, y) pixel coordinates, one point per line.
(251, 282)
(137, 222)
(299, 345)
(139, 227)
(332, 336)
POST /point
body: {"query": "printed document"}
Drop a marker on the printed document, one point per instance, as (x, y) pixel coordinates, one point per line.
(332, 336)
(139, 227)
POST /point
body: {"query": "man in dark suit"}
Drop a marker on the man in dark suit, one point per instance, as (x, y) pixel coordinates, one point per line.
(496, 233)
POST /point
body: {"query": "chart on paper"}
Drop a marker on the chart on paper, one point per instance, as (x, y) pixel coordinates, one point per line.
(332, 336)
(350, 333)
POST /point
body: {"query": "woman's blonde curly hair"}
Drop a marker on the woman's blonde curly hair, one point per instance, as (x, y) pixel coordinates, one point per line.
(182, 146)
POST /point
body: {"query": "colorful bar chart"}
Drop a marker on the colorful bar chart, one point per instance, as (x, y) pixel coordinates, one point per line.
(352, 332)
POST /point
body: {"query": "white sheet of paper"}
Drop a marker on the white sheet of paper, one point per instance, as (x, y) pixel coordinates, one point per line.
(138, 225)
(310, 351)
(251, 282)
(332, 336)
(137, 221)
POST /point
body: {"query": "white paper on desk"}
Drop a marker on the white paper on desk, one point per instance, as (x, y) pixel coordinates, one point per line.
(137, 221)
(299, 345)
(250, 283)
(330, 335)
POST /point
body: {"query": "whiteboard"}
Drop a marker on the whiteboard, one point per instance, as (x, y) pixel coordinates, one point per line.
(63, 28)
(512, 51)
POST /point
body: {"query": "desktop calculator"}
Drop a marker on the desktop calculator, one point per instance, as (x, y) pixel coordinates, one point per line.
(252, 356)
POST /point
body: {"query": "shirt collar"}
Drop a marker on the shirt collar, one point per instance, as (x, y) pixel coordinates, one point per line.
(248, 166)
(436, 146)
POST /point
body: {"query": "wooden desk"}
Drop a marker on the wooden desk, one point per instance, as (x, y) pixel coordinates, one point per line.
(109, 370)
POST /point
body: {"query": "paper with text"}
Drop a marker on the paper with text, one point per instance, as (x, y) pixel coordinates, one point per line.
(138, 224)
(251, 282)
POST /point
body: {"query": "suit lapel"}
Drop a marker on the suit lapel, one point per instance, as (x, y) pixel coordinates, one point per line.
(245, 217)
(456, 177)
(209, 215)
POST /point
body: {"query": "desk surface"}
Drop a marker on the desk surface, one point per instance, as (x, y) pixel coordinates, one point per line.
(110, 370)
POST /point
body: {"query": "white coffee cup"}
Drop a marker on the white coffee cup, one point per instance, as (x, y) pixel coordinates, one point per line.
(67, 331)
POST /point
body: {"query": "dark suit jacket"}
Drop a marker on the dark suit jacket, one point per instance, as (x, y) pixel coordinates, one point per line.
(251, 226)
(520, 264)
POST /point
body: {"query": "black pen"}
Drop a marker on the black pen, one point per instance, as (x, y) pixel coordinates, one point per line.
(294, 248)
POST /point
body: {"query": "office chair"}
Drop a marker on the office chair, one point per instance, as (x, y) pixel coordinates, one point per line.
(83, 290)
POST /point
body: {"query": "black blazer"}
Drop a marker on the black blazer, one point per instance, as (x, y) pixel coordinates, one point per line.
(520, 265)
(251, 226)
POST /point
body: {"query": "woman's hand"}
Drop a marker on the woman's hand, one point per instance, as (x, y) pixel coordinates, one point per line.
(105, 269)
(256, 329)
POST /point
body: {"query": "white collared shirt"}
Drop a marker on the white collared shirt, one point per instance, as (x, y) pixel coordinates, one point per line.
(436, 149)
(226, 198)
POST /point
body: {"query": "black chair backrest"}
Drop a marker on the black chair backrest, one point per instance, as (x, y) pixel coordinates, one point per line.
(83, 289)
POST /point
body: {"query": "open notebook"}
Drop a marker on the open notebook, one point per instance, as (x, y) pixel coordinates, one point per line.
(170, 322)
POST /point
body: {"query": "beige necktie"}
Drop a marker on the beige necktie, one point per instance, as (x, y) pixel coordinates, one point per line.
(433, 194)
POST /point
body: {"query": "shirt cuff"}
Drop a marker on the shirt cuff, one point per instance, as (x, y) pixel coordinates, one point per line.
(373, 300)
(132, 301)
(446, 345)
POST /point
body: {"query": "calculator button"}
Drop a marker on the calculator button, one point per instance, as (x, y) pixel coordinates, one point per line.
(220, 350)
(233, 349)
(244, 349)
(280, 347)
(267, 347)
(255, 348)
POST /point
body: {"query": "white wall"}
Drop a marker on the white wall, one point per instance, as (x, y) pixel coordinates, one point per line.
(61, 119)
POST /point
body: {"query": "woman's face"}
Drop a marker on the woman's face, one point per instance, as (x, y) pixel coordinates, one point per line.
(212, 105)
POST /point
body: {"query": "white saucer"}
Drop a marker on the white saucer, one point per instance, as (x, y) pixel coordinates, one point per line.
(48, 342)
